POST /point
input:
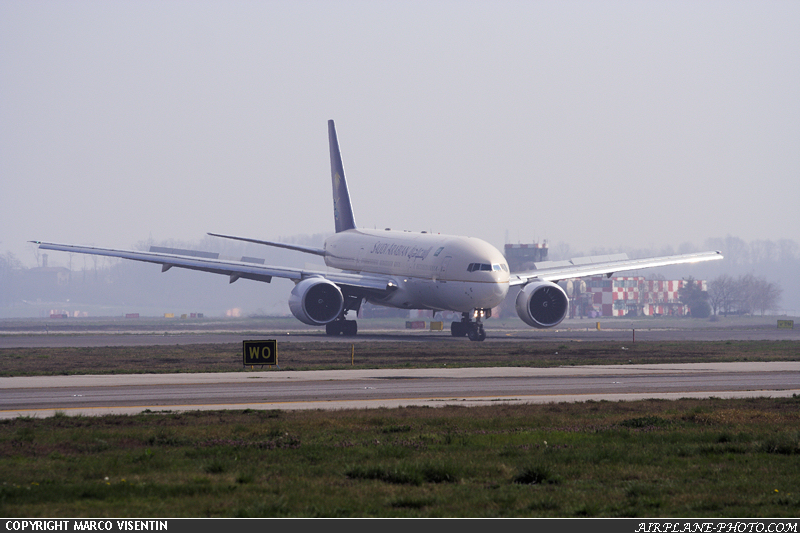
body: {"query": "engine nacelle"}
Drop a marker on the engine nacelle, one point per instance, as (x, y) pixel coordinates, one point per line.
(316, 301)
(542, 304)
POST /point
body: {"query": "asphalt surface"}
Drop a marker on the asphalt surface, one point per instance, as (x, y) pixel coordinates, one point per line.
(94, 395)
(40, 339)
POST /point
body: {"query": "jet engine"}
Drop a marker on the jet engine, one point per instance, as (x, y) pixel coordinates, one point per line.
(542, 304)
(316, 301)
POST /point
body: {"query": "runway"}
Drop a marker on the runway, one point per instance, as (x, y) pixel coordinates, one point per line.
(74, 340)
(342, 389)
(38, 333)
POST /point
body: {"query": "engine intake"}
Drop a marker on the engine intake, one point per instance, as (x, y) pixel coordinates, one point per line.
(316, 301)
(542, 304)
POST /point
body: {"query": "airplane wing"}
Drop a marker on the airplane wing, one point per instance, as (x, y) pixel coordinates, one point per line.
(247, 268)
(608, 265)
(295, 247)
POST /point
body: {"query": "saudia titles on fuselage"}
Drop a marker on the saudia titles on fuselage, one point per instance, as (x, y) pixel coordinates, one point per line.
(412, 252)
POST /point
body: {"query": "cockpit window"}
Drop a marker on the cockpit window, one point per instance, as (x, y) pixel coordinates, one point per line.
(485, 267)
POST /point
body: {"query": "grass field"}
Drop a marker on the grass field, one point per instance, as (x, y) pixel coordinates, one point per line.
(381, 354)
(686, 458)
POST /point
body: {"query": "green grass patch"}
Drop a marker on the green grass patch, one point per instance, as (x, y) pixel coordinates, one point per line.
(655, 458)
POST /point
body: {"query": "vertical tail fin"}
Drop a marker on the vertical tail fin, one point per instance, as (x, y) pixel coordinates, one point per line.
(342, 210)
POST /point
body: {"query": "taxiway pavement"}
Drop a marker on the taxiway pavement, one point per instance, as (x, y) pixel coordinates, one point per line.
(341, 389)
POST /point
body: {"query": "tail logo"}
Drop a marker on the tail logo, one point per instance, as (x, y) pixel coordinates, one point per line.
(336, 184)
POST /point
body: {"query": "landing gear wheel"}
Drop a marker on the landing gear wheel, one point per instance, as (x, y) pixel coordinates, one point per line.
(348, 328)
(458, 329)
(476, 333)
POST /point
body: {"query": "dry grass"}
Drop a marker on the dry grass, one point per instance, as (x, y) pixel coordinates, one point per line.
(382, 354)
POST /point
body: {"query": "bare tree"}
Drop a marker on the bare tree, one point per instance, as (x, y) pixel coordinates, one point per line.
(762, 251)
(561, 251)
(788, 251)
(766, 295)
(751, 294)
(743, 292)
(721, 292)
(9, 268)
(737, 251)
(687, 248)
(36, 253)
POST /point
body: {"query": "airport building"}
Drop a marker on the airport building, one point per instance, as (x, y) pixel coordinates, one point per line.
(621, 296)
(521, 257)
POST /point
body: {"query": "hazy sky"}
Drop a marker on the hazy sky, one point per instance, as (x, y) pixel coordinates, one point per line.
(599, 124)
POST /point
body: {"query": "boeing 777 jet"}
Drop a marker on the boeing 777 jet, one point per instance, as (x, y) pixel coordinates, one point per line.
(400, 269)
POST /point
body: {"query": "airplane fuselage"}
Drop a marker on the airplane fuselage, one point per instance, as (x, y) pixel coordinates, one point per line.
(432, 271)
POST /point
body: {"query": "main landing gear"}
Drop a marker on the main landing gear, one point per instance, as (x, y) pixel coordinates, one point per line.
(340, 326)
(473, 330)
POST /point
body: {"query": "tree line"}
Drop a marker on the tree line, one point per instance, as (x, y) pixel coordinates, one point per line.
(746, 294)
(727, 295)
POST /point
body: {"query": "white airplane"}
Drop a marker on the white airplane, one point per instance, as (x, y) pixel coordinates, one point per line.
(400, 269)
